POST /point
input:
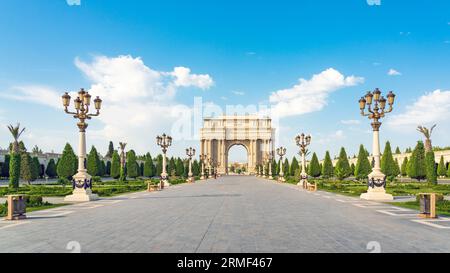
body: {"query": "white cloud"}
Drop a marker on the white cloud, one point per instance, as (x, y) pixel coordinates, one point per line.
(393, 72)
(351, 122)
(429, 108)
(311, 95)
(73, 2)
(184, 78)
(238, 93)
(330, 138)
(34, 93)
(138, 100)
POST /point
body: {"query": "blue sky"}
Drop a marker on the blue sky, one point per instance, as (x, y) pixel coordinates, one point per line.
(235, 53)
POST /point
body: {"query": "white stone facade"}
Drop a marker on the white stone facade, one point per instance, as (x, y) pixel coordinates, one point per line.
(218, 135)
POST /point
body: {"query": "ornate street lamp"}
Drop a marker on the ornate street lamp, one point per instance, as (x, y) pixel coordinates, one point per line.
(164, 142)
(202, 162)
(376, 107)
(270, 158)
(263, 174)
(190, 153)
(82, 181)
(303, 142)
(210, 167)
(281, 153)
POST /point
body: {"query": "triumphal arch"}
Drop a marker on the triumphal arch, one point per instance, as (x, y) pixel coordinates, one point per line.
(219, 134)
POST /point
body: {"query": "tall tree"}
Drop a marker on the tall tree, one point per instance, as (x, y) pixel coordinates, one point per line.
(430, 167)
(327, 167)
(196, 168)
(26, 172)
(15, 158)
(427, 134)
(294, 166)
(285, 167)
(397, 151)
(110, 152)
(441, 170)
(93, 162)
(102, 169)
(35, 168)
(115, 165)
(172, 168)
(416, 164)
(141, 169)
(404, 168)
(388, 165)
(448, 171)
(314, 166)
(132, 167)
(5, 167)
(179, 167)
(342, 169)
(363, 167)
(51, 169)
(67, 164)
(36, 150)
(148, 166)
(108, 168)
(159, 164)
(397, 168)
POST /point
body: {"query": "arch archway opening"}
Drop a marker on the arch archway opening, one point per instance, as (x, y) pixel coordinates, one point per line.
(237, 158)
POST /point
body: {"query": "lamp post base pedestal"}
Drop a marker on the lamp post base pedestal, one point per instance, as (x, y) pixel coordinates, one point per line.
(377, 187)
(166, 183)
(377, 195)
(81, 195)
(281, 180)
(190, 180)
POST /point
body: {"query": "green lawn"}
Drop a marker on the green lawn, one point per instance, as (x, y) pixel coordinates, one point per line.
(353, 188)
(103, 189)
(3, 208)
(442, 207)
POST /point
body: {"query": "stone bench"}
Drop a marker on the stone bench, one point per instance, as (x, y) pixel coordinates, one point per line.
(312, 187)
(152, 187)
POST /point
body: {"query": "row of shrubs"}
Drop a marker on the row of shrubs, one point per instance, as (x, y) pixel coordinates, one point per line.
(106, 189)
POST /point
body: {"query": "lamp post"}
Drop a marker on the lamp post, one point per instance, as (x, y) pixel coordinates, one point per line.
(376, 109)
(264, 167)
(303, 142)
(270, 158)
(164, 142)
(210, 167)
(82, 181)
(281, 152)
(202, 162)
(122, 146)
(190, 153)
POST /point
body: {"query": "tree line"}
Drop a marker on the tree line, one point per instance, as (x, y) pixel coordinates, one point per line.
(421, 165)
(20, 164)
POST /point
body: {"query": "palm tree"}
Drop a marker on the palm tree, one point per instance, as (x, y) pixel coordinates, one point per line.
(122, 154)
(427, 133)
(16, 133)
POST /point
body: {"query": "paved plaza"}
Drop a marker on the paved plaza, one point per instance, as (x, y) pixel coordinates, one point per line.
(230, 214)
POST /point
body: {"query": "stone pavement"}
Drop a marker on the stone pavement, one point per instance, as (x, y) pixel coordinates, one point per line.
(230, 214)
